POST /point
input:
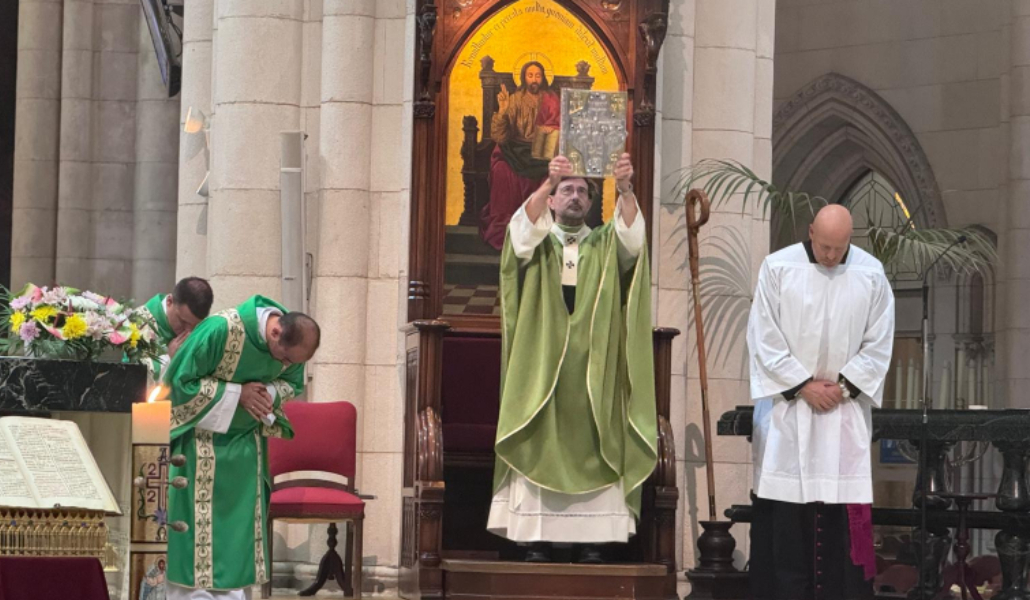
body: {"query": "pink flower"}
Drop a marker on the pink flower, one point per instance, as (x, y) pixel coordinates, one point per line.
(55, 297)
(21, 302)
(117, 338)
(29, 331)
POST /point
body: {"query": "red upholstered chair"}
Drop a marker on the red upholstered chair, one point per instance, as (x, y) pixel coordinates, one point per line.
(325, 440)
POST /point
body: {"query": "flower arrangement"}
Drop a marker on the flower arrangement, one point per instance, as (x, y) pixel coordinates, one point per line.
(62, 322)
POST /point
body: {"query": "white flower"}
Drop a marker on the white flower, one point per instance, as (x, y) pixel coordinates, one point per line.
(97, 325)
(54, 297)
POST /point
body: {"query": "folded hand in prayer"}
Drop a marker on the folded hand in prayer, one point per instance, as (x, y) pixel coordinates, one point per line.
(255, 400)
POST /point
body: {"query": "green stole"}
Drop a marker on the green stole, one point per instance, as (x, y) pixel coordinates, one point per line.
(226, 500)
(156, 308)
(577, 391)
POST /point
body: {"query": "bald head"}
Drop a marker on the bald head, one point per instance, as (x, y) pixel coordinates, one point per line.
(831, 234)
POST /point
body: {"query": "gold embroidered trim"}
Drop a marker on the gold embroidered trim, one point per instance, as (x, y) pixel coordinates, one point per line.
(203, 491)
(285, 390)
(259, 525)
(233, 345)
(276, 430)
(185, 413)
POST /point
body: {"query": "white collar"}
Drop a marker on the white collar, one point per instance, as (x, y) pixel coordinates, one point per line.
(262, 315)
(569, 238)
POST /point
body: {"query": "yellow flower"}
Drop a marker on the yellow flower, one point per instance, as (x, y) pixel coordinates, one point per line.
(74, 327)
(44, 313)
(17, 318)
(134, 335)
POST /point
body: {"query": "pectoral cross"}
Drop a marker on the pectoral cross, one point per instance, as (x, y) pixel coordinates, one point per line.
(570, 265)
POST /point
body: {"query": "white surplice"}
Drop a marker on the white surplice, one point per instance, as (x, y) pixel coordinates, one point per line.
(522, 511)
(806, 321)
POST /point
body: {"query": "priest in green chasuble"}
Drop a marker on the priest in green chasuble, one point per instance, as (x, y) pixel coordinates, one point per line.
(175, 315)
(228, 383)
(577, 433)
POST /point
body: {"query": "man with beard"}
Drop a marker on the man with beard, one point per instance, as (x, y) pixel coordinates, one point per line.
(577, 433)
(514, 173)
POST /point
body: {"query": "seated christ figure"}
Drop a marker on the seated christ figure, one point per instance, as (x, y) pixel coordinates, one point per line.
(515, 170)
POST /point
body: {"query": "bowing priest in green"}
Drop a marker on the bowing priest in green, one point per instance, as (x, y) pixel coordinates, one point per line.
(577, 433)
(228, 383)
(175, 315)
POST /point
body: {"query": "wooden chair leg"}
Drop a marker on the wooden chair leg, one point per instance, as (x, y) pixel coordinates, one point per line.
(331, 566)
(356, 549)
(266, 588)
(348, 561)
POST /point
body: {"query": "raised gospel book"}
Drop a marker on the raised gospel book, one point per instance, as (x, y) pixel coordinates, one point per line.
(46, 464)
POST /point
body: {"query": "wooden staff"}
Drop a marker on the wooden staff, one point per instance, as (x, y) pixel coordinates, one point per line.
(694, 199)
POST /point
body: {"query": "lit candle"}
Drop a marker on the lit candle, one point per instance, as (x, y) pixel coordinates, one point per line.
(984, 399)
(942, 396)
(151, 420)
(910, 395)
(899, 385)
(972, 399)
(960, 374)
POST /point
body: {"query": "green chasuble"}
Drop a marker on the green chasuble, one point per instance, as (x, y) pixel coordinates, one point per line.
(577, 391)
(226, 502)
(155, 309)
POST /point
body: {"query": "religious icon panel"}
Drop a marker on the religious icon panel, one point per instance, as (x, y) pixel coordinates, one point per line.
(504, 126)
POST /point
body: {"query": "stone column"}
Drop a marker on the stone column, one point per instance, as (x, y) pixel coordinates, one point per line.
(98, 146)
(674, 136)
(731, 120)
(37, 139)
(157, 177)
(1014, 334)
(194, 155)
(257, 97)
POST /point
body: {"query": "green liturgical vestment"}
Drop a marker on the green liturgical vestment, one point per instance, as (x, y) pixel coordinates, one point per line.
(577, 390)
(155, 309)
(226, 501)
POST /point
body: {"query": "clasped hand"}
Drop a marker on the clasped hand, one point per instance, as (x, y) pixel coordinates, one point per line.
(255, 400)
(821, 395)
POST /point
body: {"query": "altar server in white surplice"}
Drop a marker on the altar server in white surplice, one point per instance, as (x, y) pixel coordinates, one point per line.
(819, 338)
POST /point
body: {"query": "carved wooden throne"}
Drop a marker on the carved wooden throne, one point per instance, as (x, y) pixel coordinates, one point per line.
(448, 432)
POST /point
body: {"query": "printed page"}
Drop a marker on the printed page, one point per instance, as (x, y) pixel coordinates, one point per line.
(14, 487)
(59, 465)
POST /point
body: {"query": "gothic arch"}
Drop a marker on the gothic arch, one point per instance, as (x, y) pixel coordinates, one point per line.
(835, 129)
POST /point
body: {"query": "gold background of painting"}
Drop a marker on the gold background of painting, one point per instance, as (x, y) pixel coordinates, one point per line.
(540, 27)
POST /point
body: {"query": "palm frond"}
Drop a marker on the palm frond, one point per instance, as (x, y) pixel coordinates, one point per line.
(917, 249)
(894, 239)
(722, 180)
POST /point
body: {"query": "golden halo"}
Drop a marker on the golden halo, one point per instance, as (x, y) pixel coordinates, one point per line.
(539, 57)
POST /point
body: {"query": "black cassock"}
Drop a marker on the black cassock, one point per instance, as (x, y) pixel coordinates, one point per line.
(803, 552)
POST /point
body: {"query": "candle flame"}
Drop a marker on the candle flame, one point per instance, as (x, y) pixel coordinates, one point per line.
(158, 393)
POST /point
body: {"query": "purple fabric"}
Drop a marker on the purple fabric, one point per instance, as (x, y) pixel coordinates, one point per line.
(860, 525)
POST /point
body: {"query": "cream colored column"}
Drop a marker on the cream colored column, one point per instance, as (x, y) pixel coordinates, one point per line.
(674, 151)
(98, 146)
(341, 262)
(299, 548)
(157, 176)
(382, 444)
(726, 100)
(37, 140)
(75, 181)
(258, 63)
(1015, 241)
(191, 230)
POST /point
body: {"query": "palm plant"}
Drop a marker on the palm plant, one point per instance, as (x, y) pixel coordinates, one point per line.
(892, 238)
